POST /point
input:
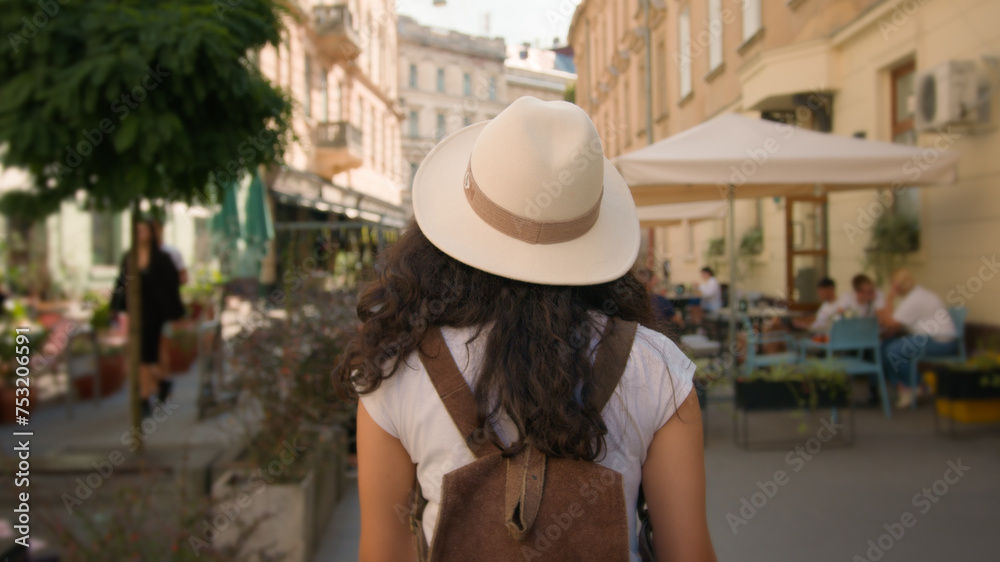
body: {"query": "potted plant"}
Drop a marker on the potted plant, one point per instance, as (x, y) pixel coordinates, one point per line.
(967, 393)
(292, 421)
(14, 315)
(111, 364)
(101, 315)
(201, 294)
(893, 238)
(792, 387)
(182, 345)
(92, 358)
(715, 253)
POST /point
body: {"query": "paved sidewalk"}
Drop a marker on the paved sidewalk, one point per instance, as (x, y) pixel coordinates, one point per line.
(340, 543)
(829, 503)
(832, 501)
(92, 426)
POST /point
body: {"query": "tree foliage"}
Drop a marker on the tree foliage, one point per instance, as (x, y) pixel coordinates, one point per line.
(132, 99)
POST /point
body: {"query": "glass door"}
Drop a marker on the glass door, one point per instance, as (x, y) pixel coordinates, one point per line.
(807, 255)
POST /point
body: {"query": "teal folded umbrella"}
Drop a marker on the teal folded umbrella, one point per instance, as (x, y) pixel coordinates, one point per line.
(226, 225)
(226, 230)
(259, 227)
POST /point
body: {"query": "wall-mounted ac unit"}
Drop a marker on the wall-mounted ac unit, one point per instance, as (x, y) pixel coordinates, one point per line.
(951, 93)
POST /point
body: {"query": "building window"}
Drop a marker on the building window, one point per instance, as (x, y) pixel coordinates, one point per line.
(660, 71)
(413, 76)
(307, 98)
(379, 149)
(288, 71)
(714, 34)
(493, 88)
(440, 80)
(441, 129)
(358, 114)
(467, 84)
(903, 104)
(626, 113)
(907, 200)
(106, 238)
(751, 18)
(326, 96)
(369, 133)
(466, 121)
(414, 124)
(684, 51)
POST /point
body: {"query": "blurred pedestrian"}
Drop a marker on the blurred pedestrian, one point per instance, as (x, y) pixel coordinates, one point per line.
(166, 384)
(160, 302)
(490, 345)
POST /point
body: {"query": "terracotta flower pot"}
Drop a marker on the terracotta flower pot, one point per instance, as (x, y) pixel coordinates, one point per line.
(7, 396)
(112, 369)
(112, 373)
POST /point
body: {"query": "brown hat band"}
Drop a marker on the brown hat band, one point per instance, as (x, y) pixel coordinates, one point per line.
(525, 229)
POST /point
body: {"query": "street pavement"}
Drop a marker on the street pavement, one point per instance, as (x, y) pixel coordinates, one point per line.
(900, 486)
(827, 504)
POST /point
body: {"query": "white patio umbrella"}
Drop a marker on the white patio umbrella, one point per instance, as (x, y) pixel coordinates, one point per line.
(733, 156)
(673, 213)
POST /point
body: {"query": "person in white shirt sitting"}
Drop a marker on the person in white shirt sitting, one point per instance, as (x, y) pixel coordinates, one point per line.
(864, 301)
(711, 291)
(915, 319)
(830, 306)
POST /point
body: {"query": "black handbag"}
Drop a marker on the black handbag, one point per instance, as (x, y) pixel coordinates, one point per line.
(646, 552)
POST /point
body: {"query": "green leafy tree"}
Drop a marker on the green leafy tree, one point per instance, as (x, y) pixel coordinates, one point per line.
(131, 100)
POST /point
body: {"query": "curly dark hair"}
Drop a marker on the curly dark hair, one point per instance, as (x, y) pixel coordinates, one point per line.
(537, 351)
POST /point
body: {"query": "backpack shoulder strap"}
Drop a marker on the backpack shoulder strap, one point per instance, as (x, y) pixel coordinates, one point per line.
(454, 391)
(612, 357)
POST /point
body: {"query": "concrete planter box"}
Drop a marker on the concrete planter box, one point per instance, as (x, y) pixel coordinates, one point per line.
(276, 518)
(289, 517)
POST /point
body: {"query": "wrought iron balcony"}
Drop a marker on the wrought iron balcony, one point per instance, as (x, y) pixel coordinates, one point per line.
(335, 31)
(338, 147)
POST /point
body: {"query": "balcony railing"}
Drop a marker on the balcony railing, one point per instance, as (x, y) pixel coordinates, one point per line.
(338, 147)
(335, 28)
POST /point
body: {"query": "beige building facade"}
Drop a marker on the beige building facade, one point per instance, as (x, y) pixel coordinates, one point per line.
(849, 67)
(448, 80)
(338, 62)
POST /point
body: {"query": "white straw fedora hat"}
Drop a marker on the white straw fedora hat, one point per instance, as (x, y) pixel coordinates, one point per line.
(529, 196)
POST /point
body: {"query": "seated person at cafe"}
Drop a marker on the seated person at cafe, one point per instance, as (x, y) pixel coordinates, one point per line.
(865, 301)
(663, 308)
(914, 319)
(828, 308)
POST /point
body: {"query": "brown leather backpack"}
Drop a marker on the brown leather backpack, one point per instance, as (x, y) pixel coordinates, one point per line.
(528, 506)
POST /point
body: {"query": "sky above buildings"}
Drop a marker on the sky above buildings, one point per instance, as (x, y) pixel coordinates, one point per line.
(518, 21)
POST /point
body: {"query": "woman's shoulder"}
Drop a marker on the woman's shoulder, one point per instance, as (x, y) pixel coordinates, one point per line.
(651, 345)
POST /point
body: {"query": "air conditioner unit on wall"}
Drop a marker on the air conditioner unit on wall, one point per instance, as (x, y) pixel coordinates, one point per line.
(951, 93)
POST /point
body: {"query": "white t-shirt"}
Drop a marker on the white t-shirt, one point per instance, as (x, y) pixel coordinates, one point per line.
(175, 256)
(824, 316)
(923, 312)
(657, 378)
(711, 294)
(849, 302)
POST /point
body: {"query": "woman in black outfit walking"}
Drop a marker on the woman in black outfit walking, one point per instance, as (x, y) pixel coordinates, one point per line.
(161, 302)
